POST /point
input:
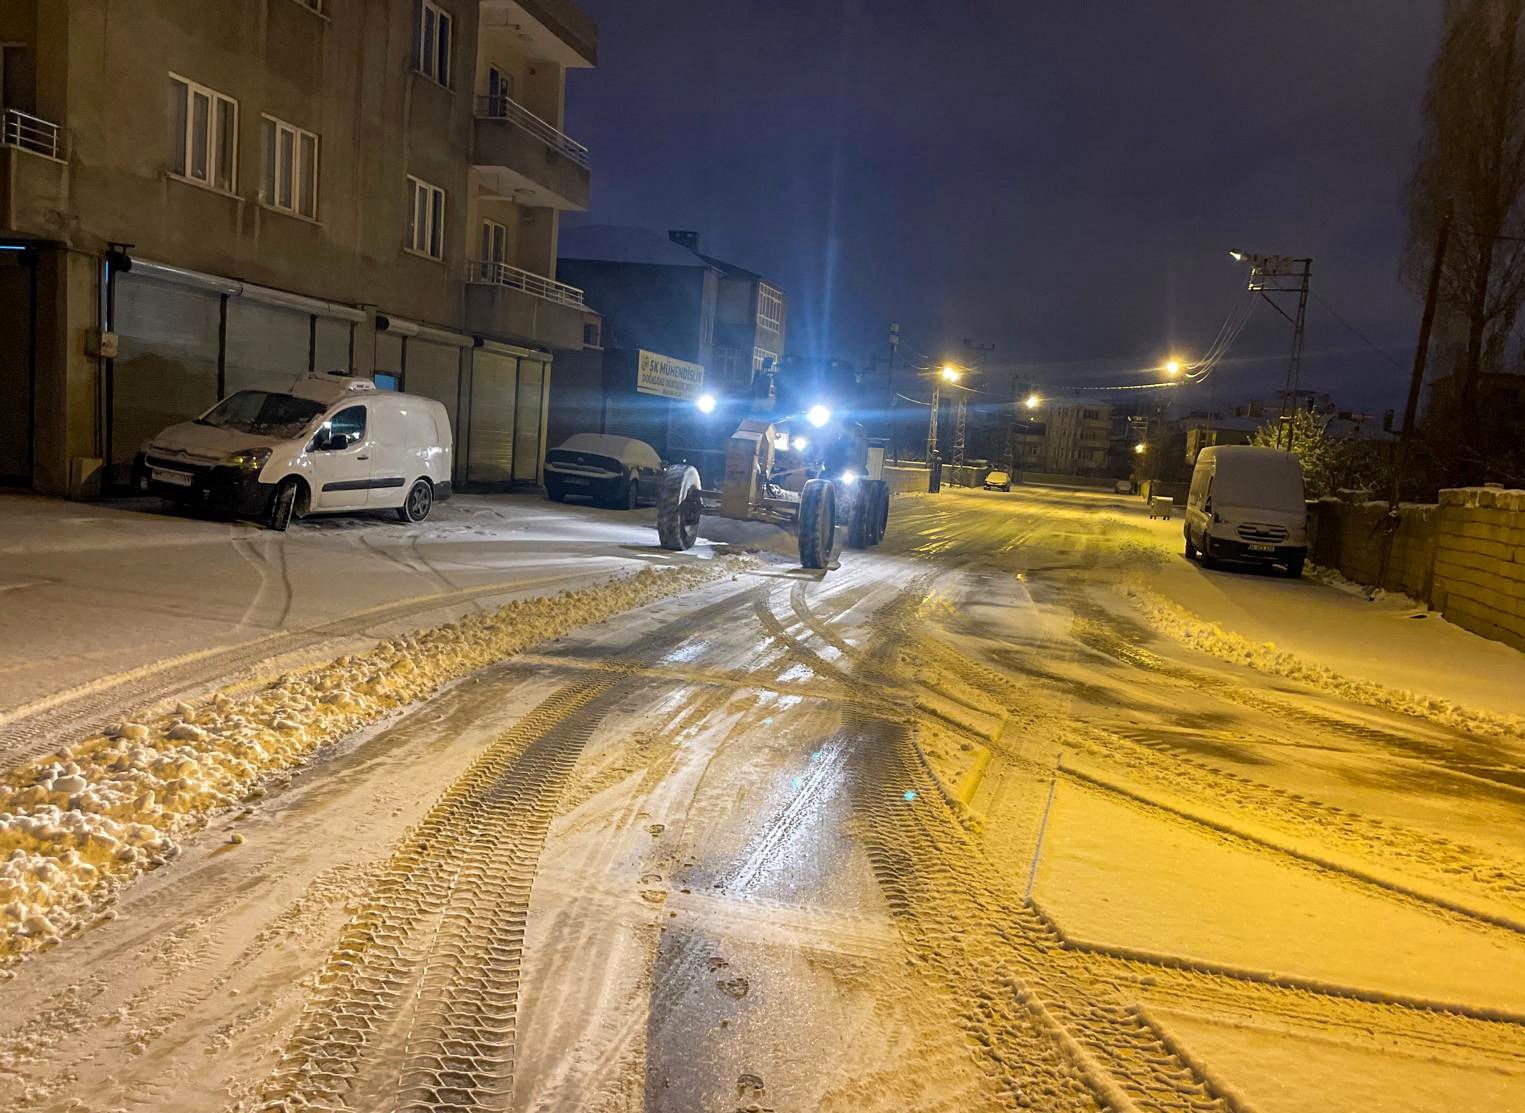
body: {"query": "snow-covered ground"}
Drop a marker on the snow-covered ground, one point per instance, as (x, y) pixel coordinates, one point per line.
(990, 818)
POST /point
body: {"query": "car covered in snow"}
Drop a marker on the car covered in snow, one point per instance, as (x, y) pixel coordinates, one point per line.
(613, 470)
(1247, 504)
(330, 443)
(997, 481)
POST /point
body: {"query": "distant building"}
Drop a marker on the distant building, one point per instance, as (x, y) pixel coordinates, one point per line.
(200, 199)
(660, 295)
(1502, 394)
(1204, 430)
(1075, 436)
(1133, 422)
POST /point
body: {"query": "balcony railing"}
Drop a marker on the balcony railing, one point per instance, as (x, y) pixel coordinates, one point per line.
(505, 108)
(484, 273)
(30, 133)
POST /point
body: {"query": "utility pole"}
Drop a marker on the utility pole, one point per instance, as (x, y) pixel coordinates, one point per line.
(1274, 274)
(960, 423)
(1416, 383)
(894, 397)
(932, 422)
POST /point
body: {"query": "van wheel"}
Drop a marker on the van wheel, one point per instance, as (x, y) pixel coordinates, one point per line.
(284, 505)
(1191, 550)
(420, 500)
(1295, 568)
(1208, 560)
(632, 494)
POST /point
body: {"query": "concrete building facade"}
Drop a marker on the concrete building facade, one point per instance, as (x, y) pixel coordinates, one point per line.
(197, 198)
(1074, 438)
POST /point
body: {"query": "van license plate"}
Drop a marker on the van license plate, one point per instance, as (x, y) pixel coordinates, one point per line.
(577, 482)
(174, 478)
(1262, 548)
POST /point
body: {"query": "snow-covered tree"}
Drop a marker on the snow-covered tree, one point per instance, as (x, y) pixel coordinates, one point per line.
(1311, 443)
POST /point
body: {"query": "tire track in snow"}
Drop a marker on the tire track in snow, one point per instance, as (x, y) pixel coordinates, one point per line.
(418, 1001)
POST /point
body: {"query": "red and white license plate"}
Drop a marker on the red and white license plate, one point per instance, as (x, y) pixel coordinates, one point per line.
(173, 478)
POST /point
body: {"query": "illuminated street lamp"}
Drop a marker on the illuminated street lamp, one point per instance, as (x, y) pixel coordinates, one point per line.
(1172, 367)
(1031, 401)
(1140, 449)
(950, 373)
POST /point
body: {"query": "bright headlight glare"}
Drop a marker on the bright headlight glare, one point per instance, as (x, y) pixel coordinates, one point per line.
(800, 444)
(849, 477)
(706, 403)
(818, 415)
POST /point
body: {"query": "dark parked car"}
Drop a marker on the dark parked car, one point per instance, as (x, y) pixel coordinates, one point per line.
(616, 471)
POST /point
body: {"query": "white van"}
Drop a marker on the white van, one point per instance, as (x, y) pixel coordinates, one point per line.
(1247, 504)
(330, 443)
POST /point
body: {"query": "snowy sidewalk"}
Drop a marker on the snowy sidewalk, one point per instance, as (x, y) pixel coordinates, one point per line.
(96, 593)
(1391, 642)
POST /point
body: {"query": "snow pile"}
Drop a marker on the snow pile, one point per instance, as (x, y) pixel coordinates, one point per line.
(1210, 638)
(75, 824)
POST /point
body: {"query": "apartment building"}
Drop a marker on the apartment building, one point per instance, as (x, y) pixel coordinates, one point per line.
(1074, 437)
(203, 196)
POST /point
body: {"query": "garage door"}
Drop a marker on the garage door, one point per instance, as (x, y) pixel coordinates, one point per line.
(529, 419)
(331, 344)
(268, 346)
(166, 365)
(490, 448)
(16, 374)
(433, 370)
(642, 416)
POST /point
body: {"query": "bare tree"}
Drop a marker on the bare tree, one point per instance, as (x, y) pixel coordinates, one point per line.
(1472, 161)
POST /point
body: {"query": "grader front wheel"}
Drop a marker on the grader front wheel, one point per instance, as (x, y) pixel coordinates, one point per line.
(818, 523)
(678, 508)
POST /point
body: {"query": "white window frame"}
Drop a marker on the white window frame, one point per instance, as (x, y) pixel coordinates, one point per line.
(272, 177)
(770, 307)
(427, 238)
(428, 57)
(760, 354)
(212, 147)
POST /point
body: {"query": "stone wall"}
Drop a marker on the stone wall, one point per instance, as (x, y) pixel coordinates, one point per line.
(1464, 557)
(1479, 577)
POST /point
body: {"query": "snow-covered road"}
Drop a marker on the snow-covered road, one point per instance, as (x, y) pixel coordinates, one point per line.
(976, 821)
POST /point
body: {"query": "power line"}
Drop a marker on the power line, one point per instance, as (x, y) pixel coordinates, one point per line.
(1357, 332)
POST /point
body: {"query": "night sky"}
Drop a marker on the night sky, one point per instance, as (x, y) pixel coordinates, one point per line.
(1061, 180)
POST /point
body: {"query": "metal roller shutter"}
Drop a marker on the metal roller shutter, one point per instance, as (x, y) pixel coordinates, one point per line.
(434, 371)
(16, 371)
(166, 365)
(490, 447)
(529, 420)
(268, 347)
(642, 416)
(331, 344)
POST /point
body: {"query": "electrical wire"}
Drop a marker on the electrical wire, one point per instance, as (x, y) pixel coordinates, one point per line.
(1356, 332)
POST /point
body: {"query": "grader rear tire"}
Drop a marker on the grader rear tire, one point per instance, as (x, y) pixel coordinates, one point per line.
(818, 523)
(678, 508)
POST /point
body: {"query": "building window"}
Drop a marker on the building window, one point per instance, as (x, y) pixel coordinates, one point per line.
(761, 355)
(592, 334)
(432, 41)
(770, 308)
(290, 181)
(1090, 415)
(205, 144)
(426, 219)
(500, 90)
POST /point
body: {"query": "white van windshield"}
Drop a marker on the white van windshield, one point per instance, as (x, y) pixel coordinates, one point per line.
(1259, 484)
(262, 413)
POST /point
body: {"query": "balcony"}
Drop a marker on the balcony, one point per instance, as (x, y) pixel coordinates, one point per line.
(525, 159)
(34, 179)
(507, 303)
(30, 133)
(555, 29)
